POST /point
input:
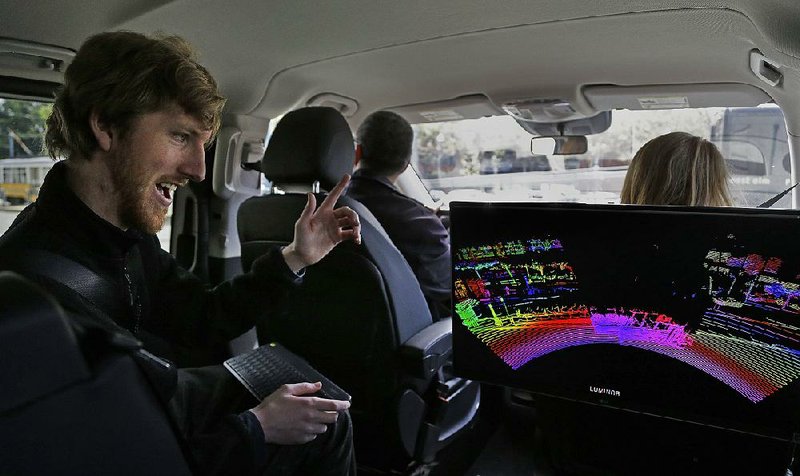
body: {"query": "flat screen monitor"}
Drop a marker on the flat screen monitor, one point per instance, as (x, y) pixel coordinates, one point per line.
(682, 312)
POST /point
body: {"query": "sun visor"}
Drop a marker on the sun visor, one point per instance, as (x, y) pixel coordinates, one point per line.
(674, 96)
(465, 107)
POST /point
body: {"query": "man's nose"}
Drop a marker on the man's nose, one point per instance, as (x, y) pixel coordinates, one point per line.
(194, 165)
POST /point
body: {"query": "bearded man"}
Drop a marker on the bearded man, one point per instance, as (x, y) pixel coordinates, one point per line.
(132, 121)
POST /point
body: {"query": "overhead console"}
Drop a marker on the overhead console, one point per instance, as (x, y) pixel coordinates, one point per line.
(542, 110)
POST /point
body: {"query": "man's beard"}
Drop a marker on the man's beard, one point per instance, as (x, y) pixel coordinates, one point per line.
(131, 180)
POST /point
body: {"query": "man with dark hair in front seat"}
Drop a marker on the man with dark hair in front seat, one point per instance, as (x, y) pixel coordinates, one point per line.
(133, 120)
(383, 152)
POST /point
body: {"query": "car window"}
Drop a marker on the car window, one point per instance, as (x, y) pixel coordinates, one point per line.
(490, 159)
(24, 161)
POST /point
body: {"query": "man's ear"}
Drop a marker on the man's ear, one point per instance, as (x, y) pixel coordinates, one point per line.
(102, 131)
(358, 154)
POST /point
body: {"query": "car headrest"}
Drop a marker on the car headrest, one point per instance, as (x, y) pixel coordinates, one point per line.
(310, 144)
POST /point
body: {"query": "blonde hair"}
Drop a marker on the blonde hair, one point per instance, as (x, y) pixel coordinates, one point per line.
(677, 169)
(122, 75)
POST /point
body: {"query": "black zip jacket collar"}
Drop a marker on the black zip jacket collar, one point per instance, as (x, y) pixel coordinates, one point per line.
(100, 237)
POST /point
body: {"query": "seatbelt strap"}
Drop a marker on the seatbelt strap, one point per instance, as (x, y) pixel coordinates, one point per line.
(102, 294)
(774, 200)
(91, 286)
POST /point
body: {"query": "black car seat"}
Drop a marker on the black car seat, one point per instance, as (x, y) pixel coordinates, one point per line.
(64, 410)
(359, 316)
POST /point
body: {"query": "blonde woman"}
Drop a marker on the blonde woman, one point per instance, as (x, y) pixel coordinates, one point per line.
(677, 169)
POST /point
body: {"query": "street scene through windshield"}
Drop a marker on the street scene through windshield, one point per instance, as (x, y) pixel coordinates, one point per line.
(490, 159)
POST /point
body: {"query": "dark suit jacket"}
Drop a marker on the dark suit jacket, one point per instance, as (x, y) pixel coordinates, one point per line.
(416, 231)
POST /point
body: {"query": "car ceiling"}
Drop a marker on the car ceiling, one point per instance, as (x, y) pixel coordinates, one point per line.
(271, 56)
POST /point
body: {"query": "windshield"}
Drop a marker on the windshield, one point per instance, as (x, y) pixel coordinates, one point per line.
(490, 159)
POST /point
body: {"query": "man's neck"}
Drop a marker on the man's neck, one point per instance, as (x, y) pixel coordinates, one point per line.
(391, 178)
(91, 181)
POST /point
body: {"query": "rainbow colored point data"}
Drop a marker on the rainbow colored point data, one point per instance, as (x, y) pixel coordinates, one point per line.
(522, 300)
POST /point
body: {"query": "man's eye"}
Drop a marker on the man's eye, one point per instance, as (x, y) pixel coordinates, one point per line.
(181, 137)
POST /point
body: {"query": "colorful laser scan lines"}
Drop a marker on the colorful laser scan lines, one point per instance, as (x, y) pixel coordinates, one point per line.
(520, 299)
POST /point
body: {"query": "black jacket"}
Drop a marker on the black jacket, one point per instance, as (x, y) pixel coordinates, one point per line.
(159, 302)
(167, 308)
(415, 230)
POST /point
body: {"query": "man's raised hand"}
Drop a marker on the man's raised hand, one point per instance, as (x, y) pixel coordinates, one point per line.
(319, 230)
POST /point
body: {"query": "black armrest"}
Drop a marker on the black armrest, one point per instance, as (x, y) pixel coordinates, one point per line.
(428, 350)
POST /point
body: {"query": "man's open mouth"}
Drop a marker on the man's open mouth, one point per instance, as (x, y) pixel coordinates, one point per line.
(166, 189)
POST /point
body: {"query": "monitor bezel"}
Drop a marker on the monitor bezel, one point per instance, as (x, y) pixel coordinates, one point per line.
(467, 211)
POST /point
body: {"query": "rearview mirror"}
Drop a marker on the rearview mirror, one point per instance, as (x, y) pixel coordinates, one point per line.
(559, 145)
